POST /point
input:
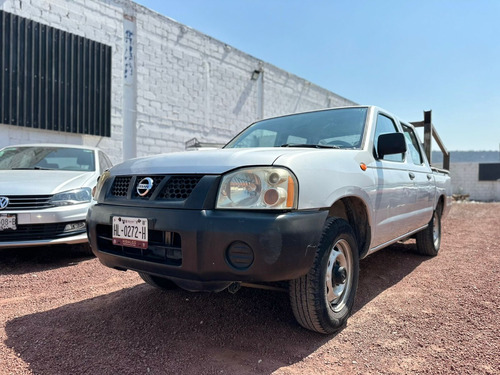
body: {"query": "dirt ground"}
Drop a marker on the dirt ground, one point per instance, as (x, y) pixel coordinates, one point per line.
(64, 313)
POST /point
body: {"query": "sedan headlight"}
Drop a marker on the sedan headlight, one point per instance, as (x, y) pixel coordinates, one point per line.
(76, 196)
(258, 188)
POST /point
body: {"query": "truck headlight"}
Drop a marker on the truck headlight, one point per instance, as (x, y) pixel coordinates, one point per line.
(76, 196)
(258, 188)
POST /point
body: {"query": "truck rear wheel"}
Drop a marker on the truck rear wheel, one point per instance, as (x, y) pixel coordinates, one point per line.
(429, 239)
(322, 300)
(158, 282)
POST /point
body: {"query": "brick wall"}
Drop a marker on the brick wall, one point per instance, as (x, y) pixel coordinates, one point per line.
(170, 83)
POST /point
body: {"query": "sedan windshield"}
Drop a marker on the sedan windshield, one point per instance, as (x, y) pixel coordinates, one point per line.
(333, 128)
(59, 158)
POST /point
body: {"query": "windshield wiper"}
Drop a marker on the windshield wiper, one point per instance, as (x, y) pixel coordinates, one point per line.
(308, 145)
(30, 168)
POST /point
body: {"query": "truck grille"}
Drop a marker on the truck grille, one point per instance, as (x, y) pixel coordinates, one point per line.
(29, 202)
(172, 187)
(120, 186)
(179, 187)
(157, 180)
(163, 247)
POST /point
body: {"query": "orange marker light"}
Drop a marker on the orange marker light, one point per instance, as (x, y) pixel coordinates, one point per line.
(291, 193)
(363, 166)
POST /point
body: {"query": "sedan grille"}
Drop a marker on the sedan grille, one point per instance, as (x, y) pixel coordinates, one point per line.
(32, 232)
(29, 202)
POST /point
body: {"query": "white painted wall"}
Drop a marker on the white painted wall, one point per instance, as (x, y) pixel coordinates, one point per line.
(465, 180)
(170, 83)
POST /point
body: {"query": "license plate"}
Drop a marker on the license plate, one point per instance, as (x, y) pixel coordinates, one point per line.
(8, 221)
(130, 232)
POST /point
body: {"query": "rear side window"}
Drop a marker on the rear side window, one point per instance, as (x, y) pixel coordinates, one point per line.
(385, 125)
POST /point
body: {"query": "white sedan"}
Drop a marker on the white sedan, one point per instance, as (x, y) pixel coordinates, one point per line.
(45, 193)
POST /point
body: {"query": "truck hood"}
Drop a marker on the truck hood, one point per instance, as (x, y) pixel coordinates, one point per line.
(206, 161)
(43, 182)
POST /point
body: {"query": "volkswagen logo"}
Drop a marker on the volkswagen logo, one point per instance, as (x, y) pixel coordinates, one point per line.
(144, 186)
(4, 202)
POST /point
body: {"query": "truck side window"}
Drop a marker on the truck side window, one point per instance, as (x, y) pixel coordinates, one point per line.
(412, 144)
(386, 125)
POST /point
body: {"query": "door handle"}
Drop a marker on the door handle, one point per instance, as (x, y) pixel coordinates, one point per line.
(412, 175)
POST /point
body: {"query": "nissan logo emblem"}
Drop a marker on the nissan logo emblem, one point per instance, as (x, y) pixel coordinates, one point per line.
(4, 202)
(144, 186)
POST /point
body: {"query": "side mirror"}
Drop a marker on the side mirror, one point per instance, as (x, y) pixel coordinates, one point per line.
(391, 143)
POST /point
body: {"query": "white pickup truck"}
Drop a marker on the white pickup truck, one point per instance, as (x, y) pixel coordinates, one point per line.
(294, 200)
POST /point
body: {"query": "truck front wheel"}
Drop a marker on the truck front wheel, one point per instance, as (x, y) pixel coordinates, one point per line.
(322, 300)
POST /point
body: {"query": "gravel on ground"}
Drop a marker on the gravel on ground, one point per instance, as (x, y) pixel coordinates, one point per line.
(62, 312)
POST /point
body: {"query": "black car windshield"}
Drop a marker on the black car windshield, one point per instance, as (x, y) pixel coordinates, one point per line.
(333, 128)
(38, 157)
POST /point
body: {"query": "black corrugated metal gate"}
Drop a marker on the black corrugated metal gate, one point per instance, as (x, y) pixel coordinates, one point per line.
(51, 79)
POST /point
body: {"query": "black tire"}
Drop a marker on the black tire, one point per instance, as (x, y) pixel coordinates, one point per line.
(429, 239)
(82, 248)
(322, 300)
(158, 282)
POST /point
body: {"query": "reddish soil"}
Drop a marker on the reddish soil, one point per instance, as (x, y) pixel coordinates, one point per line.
(64, 313)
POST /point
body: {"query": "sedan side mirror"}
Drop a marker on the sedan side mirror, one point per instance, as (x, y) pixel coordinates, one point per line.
(391, 143)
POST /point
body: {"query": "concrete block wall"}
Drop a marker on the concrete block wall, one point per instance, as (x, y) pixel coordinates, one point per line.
(181, 83)
(465, 180)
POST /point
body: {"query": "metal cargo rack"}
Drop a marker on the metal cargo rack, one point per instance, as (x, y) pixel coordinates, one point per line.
(429, 133)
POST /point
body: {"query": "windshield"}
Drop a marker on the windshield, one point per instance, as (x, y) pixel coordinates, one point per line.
(336, 128)
(59, 158)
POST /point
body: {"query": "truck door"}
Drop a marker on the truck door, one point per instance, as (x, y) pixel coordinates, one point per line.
(395, 192)
(423, 180)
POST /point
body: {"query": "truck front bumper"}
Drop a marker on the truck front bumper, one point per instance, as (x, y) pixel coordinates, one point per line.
(203, 247)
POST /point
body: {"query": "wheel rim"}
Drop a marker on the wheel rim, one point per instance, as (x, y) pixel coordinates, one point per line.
(339, 275)
(436, 230)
